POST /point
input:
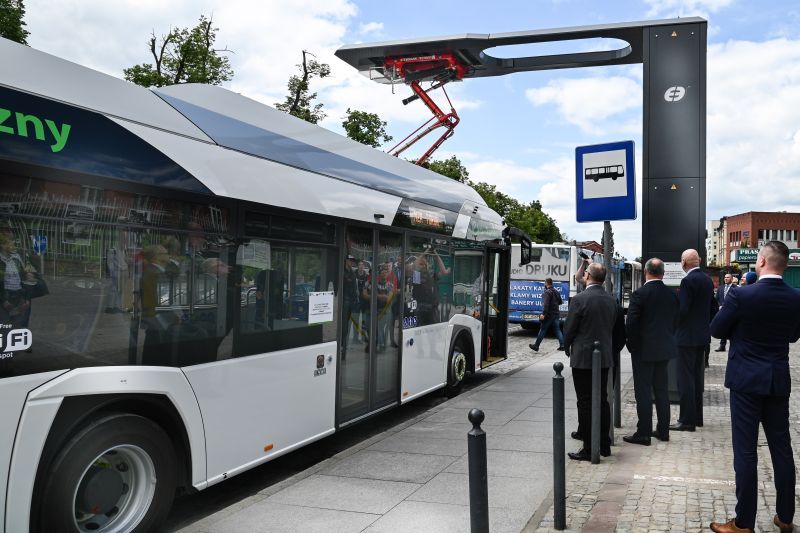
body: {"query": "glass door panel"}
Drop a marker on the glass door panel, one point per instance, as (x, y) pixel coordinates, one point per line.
(354, 368)
(388, 274)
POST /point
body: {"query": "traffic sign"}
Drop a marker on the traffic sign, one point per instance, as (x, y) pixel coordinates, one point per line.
(605, 182)
(39, 243)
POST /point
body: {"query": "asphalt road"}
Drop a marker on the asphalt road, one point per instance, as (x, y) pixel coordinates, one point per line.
(190, 508)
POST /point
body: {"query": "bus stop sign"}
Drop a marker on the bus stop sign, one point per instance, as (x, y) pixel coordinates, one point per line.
(605, 182)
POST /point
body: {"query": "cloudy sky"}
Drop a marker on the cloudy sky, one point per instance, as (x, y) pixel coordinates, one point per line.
(520, 131)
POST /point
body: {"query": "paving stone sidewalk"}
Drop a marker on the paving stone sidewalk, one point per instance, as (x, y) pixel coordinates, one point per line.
(680, 485)
(414, 477)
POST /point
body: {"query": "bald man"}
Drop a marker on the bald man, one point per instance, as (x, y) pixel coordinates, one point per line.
(761, 320)
(696, 296)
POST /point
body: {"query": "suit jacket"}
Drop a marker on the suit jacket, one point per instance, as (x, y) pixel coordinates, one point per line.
(721, 293)
(592, 317)
(760, 320)
(696, 297)
(652, 321)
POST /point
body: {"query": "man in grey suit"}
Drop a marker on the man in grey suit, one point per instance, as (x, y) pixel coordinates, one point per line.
(592, 317)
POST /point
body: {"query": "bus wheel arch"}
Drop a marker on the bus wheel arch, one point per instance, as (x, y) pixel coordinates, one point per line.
(78, 412)
(102, 478)
(460, 360)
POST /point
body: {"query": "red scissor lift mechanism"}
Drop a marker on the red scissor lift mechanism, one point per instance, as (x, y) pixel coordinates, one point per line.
(439, 69)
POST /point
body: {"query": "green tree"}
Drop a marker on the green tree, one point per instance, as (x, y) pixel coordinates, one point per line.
(298, 102)
(366, 128)
(11, 24)
(183, 55)
(451, 167)
(528, 217)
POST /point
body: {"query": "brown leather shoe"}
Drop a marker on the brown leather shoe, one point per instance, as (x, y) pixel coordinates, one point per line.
(729, 527)
(783, 526)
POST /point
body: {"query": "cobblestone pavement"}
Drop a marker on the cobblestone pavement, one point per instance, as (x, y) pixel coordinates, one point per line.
(680, 485)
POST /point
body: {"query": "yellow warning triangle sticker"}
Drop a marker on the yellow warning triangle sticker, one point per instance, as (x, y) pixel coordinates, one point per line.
(674, 187)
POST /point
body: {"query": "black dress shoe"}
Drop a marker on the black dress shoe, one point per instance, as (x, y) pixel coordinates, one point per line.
(637, 439)
(533, 347)
(561, 349)
(681, 427)
(605, 451)
(575, 435)
(663, 437)
(580, 455)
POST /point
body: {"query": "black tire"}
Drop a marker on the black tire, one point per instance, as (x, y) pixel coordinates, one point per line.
(529, 326)
(456, 367)
(90, 446)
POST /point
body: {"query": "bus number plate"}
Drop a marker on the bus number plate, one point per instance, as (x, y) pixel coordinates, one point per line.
(320, 372)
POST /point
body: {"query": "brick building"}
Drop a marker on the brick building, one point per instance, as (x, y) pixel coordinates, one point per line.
(754, 228)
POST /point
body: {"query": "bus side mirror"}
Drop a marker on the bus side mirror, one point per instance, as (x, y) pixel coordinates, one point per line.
(512, 234)
(525, 251)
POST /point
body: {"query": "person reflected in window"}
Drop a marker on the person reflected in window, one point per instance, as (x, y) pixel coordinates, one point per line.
(426, 285)
(269, 298)
(386, 291)
(155, 322)
(350, 300)
(117, 268)
(173, 270)
(361, 305)
(15, 306)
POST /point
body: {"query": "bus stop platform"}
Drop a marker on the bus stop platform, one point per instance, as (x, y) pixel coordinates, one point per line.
(413, 477)
(680, 485)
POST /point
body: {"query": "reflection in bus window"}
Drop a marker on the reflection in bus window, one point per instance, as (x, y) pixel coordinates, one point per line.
(276, 285)
(428, 283)
(130, 279)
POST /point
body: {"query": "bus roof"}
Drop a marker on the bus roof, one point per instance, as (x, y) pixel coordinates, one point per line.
(191, 124)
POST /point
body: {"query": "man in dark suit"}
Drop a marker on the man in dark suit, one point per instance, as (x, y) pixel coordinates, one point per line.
(651, 324)
(592, 317)
(696, 297)
(761, 320)
(722, 292)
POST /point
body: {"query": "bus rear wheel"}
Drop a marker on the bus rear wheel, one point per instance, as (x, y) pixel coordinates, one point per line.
(118, 473)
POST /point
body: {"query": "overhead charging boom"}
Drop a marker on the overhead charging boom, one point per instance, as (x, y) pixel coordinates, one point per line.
(439, 69)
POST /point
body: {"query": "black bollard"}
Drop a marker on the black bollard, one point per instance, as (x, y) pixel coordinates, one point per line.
(596, 364)
(478, 478)
(617, 393)
(559, 466)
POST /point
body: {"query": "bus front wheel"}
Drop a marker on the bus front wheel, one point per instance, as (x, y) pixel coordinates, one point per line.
(116, 474)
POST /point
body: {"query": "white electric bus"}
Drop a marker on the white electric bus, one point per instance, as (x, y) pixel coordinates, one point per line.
(194, 284)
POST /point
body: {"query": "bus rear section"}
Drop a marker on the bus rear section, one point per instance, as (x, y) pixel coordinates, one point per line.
(527, 282)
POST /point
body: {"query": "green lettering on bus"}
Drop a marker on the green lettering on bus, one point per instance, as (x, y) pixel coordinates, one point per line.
(59, 134)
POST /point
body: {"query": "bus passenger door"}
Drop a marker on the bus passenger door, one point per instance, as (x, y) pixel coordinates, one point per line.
(496, 268)
(369, 341)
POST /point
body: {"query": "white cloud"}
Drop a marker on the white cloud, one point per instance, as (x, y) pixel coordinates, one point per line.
(589, 102)
(685, 8)
(266, 36)
(753, 117)
(375, 28)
